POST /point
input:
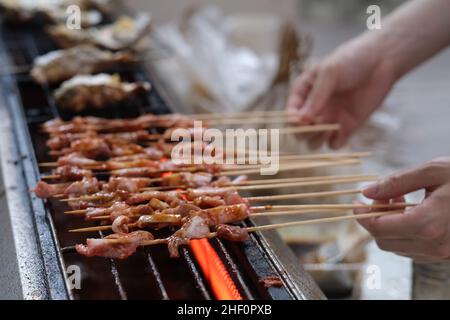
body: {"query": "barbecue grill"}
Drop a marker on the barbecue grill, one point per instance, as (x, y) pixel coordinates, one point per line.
(38, 229)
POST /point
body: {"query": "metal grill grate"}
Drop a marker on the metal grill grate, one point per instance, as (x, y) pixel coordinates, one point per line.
(149, 274)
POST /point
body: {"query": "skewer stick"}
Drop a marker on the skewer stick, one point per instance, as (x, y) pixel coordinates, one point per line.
(276, 226)
(323, 156)
(323, 220)
(254, 169)
(268, 208)
(172, 220)
(274, 185)
(301, 184)
(259, 198)
(304, 195)
(292, 167)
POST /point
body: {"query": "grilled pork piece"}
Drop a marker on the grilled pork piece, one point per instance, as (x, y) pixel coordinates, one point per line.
(195, 227)
(168, 197)
(75, 159)
(99, 91)
(85, 124)
(131, 185)
(187, 179)
(271, 281)
(105, 248)
(231, 233)
(60, 65)
(120, 225)
(75, 189)
(230, 197)
(125, 33)
(92, 148)
(71, 173)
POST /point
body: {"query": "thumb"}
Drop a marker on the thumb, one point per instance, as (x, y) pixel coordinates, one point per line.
(423, 177)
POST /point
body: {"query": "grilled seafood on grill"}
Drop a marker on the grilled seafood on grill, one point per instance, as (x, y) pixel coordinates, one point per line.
(60, 65)
(99, 91)
(125, 33)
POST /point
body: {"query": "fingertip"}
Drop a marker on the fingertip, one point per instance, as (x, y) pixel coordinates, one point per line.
(371, 191)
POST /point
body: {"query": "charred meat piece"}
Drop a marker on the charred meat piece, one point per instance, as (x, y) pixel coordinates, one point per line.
(205, 202)
(127, 245)
(60, 65)
(98, 91)
(45, 190)
(231, 233)
(188, 179)
(75, 159)
(84, 187)
(125, 33)
(92, 148)
(226, 214)
(131, 185)
(72, 173)
(120, 225)
(147, 196)
(229, 196)
(100, 125)
(195, 227)
(157, 220)
(78, 188)
(271, 281)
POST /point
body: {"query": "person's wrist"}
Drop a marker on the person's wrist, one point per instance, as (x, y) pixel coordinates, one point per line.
(378, 45)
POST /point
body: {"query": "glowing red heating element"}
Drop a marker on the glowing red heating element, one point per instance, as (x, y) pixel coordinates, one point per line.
(214, 270)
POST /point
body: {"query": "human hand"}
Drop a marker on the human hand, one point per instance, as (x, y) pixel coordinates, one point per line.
(421, 232)
(345, 88)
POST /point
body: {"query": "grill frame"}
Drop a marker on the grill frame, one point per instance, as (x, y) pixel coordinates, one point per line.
(41, 263)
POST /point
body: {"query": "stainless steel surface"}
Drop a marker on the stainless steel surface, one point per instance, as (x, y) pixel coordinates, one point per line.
(22, 272)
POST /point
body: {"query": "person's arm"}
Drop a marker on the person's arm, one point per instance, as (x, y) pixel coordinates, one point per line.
(412, 34)
(352, 82)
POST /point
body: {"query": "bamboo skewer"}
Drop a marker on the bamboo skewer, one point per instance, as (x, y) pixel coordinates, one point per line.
(275, 226)
(265, 214)
(264, 198)
(282, 158)
(275, 185)
(266, 184)
(253, 169)
(172, 219)
(268, 208)
(292, 167)
(293, 196)
(289, 130)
